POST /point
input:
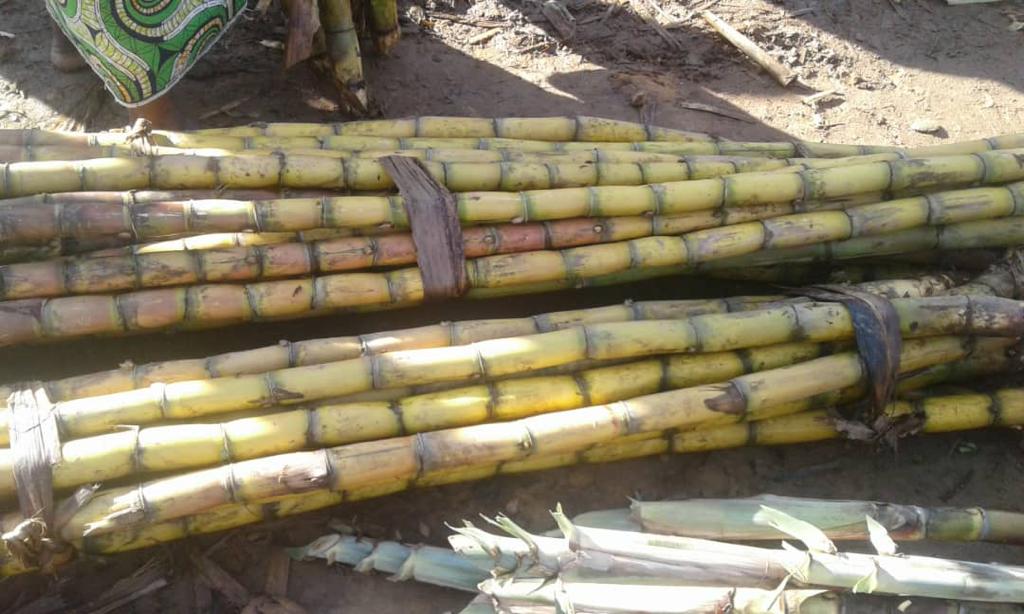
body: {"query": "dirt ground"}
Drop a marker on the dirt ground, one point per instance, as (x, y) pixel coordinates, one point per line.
(888, 63)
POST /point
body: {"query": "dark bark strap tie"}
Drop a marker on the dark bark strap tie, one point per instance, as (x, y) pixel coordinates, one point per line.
(436, 231)
(876, 329)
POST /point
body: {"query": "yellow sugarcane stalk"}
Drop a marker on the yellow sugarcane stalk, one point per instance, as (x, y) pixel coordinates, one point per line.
(343, 52)
(1002, 232)
(554, 129)
(386, 31)
(299, 171)
(193, 243)
(727, 165)
(696, 166)
(58, 227)
(579, 128)
(533, 134)
(34, 138)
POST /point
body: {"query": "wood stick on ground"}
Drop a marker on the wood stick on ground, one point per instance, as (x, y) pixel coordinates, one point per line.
(149, 578)
(560, 18)
(277, 573)
(707, 108)
(776, 69)
(652, 22)
(221, 581)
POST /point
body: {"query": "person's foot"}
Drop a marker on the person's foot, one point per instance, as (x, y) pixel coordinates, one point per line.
(162, 113)
(63, 54)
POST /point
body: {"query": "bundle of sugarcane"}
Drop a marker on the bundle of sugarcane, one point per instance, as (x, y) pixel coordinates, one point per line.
(600, 566)
(997, 282)
(963, 218)
(743, 369)
(938, 415)
(219, 442)
(570, 202)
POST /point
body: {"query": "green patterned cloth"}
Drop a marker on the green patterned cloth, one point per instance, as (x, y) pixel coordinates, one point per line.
(140, 48)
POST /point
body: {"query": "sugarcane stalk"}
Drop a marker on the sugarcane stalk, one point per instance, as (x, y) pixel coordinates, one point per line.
(560, 129)
(304, 171)
(121, 245)
(34, 224)
(187, 446)
(343, 52)
(29, 139)
(73, 228)
(384, 17)
(46, 153)
(734, 519)
(587, 552)
(940, 414)
(814, 322)
(987, 358)
(555, 133)
(578, 128)
(1004, 232)
(705, 166)
(139, 197)
(438, 454)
